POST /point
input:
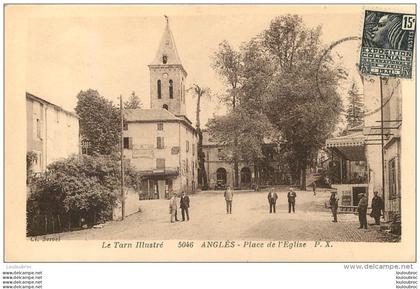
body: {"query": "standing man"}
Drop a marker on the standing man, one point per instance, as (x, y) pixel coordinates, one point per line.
(272, 199)
(377, 208)
(334, 205)
(314, 187)
(184, 205)
(291, 198)
(228, 199)
(173, 205)
(362, 210)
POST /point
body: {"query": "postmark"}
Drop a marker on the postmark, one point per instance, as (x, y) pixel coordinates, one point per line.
(387, 44)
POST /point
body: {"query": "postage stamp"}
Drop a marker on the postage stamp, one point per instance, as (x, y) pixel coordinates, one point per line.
(388, 44)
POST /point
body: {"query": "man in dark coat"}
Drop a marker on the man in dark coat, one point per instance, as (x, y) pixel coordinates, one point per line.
(362, 210)
(291, 198)
(334, 205)
(272, 199)
(377, 208)
(314, 187)
(184, 204)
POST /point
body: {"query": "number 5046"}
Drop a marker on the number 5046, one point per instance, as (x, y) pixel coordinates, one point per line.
(183, 244)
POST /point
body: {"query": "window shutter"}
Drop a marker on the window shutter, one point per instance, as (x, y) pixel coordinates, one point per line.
(130, 143)
(163, 142)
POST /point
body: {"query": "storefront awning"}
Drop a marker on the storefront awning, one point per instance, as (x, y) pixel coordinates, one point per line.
(351, 140)
(167, 172)
(351, 147)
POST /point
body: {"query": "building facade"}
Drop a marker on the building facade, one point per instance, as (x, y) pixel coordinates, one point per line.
(220, 172)
(376, 145)
(392, 116)
(52, 133)
(161, 142)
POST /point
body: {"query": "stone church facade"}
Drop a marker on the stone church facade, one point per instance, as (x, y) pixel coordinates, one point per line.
(161, 142)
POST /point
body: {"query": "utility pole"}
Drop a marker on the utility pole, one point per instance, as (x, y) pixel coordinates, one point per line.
(122, 161)
(382, 140)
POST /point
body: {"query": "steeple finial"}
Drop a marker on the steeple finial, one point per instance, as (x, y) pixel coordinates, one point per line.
(167, 19)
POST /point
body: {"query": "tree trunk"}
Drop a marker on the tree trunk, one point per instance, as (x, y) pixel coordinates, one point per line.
(59, 222)
(236, 171)
(199, 93)
(255, 180)
(46, 224)
(303, 177)
(202, 175)
(69, 216)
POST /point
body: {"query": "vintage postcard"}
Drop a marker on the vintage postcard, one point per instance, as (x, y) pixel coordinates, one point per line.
(250, 133)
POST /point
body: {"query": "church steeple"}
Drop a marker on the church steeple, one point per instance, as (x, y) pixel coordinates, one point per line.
(167, 76)
(167, 52)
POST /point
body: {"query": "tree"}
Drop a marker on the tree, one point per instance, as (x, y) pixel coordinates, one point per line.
(133, 102)
(272, 78)
(355, 108)
(202, 176)
(228, 64)
(74, 189)
(305, 117)
(99, 121)
(256, 74)
(242, 134)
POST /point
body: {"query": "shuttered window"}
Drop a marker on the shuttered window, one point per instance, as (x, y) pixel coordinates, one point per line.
(160, 143)
(128, 143)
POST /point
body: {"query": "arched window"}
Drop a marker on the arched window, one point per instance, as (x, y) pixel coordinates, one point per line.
(159, 89)
(221, 177)
(171, 89)
(164, 59)
(165, 106)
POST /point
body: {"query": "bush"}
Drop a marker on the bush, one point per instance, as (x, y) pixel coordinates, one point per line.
(76, 191)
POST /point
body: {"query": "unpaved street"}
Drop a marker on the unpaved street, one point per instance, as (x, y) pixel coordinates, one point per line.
(250, 220)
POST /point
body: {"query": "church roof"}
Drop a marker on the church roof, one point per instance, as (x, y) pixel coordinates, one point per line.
(159, 114)
(155, 115)
(167, 47)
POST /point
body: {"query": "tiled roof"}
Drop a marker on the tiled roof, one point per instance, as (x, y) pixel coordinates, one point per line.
(149, 115)
(43, 100)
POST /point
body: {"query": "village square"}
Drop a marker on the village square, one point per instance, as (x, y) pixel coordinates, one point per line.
(289, 159)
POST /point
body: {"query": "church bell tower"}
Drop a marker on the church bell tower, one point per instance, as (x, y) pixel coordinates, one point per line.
(167, 76)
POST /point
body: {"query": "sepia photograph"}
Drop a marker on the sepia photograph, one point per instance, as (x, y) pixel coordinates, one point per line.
(210, 133)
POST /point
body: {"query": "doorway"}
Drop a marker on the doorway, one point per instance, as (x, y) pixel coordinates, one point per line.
(356, 192)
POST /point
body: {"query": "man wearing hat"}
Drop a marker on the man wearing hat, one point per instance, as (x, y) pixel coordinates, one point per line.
(173, 204)
(334, 205)
(377, 208)
(291, 198)
(362, 210)
(272, 199)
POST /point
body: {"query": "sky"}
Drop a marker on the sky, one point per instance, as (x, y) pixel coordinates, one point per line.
(108, 48)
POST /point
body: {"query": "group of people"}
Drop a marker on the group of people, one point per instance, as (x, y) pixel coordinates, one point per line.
(184, 205)
(362, 207)
(272, 200)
